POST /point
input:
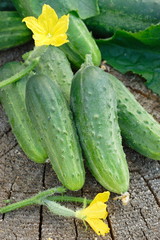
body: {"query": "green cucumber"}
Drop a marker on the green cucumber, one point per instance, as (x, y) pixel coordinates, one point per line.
(94, 105)
(80, 40)
(54, 63)
(138, 128)
(13, 101)
(49, 111)
(129, 15)
(80, 43)
(12, 31)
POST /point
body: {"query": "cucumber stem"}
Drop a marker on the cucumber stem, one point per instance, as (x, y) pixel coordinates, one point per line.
(20, 74)
(31, 60)
(66, 198)
(41, 199)
(58, 209)
(124, 198)
(37, 199)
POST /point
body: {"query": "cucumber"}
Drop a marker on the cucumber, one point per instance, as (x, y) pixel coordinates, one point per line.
(138, 128)
(129, 15)
(13, 101)
(12, 31)
(55, 64)
(80, 40)
(80, 43)
(94, 105)
(49, 111)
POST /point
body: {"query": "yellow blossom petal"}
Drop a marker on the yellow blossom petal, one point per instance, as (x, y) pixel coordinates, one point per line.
(59, 40)
(97, 210)
(62, 25)
(48, 29)
(98, 226)
(48, 18)
(101, 197)
(33, 25)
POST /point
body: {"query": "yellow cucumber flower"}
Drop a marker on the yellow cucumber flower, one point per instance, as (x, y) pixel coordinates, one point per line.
(47, 28)
(95, 213)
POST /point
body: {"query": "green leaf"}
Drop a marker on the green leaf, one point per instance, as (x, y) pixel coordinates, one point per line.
(137, 52)
(85, 9)
(128, 15)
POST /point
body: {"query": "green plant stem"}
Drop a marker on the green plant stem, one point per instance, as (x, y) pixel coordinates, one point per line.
(20, 74)
(42, 198)
(58, 209)
(66, 198)
(37, 199)
(31, 60)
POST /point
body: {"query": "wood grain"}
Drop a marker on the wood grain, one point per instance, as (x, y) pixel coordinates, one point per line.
(21, 178)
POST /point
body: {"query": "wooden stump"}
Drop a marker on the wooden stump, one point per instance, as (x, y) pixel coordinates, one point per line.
(21, 178)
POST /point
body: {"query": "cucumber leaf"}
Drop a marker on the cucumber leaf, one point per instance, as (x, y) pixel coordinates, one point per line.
(136, 52)
(85, 9)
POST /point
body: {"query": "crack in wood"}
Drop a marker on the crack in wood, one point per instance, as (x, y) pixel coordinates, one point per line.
(15, 235)
(6, 133)
(140, 210)
(146, 95)
(111, 228)
(150, 188)
(16, 144)
(40, 222)
(144, 234)
(9, 194)
(41, 207)
(76, 230)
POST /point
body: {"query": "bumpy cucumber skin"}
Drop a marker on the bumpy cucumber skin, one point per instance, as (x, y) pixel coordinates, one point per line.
(13, 101)
(12, 31)
(130, 15)
(80, 43)
(55, 65)
(49, 110)
(139, 129)
(95, 111)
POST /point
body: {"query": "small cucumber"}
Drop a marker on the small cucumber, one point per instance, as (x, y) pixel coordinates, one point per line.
(13, 101)
(50, 113)
(80, 43)
(94, 105)
(12, 31)
(139, 129)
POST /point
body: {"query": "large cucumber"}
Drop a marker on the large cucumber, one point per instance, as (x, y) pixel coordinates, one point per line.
(139, 129)
(12, 31)
(49, 111)
(13, 101)
(95, 111)
(80, 40)
(130, 15)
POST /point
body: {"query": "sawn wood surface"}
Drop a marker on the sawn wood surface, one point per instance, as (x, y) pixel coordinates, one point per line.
(21, 178)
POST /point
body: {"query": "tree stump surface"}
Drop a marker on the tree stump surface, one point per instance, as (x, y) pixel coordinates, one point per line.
(21, 178)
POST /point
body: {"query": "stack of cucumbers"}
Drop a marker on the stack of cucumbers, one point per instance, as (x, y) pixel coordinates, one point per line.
(77, 120)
